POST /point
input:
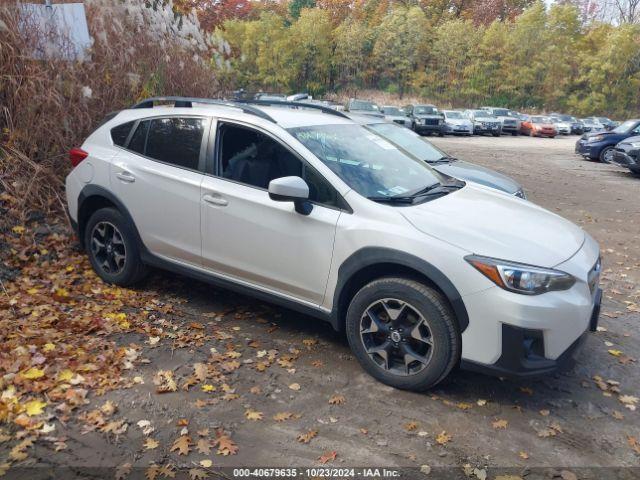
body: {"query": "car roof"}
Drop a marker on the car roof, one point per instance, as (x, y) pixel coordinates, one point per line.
(365, 119)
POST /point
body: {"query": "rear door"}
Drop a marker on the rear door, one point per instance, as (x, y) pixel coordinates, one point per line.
(157, 175)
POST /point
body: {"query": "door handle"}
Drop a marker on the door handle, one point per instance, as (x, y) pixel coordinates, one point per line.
(215, 200)
(126, 177)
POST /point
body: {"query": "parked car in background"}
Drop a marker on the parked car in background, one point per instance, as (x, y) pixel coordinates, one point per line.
(422, 149)
(364, 107)
(591, 125)
(562, 127)
(395, 115)
(425, 119)
(456, 123)
(627, 154)
(538, 126)
(484, 122)
(606, 123)
(600, 145)
(271, 97)
(510, 124)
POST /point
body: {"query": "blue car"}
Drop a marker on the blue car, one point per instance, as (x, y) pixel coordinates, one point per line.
(601, 145)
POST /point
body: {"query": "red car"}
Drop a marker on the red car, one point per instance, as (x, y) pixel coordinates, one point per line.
(538, 126)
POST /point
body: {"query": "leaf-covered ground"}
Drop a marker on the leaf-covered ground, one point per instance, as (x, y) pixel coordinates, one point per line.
(177, 378)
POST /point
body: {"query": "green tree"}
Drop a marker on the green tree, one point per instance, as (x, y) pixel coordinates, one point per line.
(351, 57)
(400, 46)
(296, 6)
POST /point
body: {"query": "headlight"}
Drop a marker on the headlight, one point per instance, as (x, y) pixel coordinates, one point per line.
(635, 144)
(597, 138)
(521, 278)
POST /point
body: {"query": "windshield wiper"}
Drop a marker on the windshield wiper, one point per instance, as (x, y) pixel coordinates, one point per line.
(443, 159)
(394, 199)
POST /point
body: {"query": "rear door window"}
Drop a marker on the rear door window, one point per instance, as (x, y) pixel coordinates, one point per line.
(175, 140)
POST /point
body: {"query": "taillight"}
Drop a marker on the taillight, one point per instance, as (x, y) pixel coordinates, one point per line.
(77, 155)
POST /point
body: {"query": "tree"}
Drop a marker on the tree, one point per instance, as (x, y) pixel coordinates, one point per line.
(213, 13)
(296, 6)
(401, 39)
(351, 57)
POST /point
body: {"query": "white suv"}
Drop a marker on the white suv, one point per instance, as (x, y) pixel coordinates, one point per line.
(299, 205)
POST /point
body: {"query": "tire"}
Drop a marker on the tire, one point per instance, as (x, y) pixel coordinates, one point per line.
(109, 228)
(415, 301)
(514, 134)
(495, 134)
(604, 155)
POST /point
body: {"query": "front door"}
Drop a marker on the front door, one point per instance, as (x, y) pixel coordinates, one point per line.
(251, 238)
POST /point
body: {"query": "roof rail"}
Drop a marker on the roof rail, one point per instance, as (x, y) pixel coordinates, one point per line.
(187, 102)
(276, 103)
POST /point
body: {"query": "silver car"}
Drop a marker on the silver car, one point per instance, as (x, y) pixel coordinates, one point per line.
(456, 123)
(510, 123)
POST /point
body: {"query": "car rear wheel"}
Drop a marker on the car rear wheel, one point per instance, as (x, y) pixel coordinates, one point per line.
(403, 333)
(112, 248)
(606, 155)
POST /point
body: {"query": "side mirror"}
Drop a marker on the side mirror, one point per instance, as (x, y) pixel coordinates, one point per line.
(291, 189)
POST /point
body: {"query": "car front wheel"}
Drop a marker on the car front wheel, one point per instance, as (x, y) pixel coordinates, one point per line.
(112, 248)
(606, 155)
(403, 333)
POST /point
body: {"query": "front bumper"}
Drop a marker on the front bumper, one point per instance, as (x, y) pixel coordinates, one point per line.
(478, 129)
(458, 129)
(588, 150)
(428, 128)
(629, 159)
(512, 335)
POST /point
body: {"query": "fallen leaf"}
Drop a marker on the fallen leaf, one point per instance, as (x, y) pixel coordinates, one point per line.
(524, 455)
(500, 424)
(443, 438)
(203, 446)
(123, 471)
(253, 415)
(206, 463)
(197, 474)
(295, 386)
(225, 445)
(182, 445)
(328, 456)
(33, 373)
(337, 400)
(282, 416)
(151, 444)
(34, 407)
(307, 437)
(410, 426)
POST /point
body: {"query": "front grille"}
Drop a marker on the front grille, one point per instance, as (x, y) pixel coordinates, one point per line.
(594, 276)
(431, 121)
(510, 122)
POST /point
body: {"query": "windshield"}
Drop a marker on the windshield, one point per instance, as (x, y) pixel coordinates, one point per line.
(409, 141)
(501, 112)
(362, 105)
(625, 126)
(603, 119)
(366, 162)
(567, 118)
(451, 114)
(421, 110)
(483, 114)
(392, 111)
(539, 120)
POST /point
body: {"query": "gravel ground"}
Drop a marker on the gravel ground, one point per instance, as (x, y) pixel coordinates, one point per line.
(569, 421)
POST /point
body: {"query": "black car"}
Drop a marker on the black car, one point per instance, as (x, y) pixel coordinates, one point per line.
(601, 145)
(425, 119)
(627, 154)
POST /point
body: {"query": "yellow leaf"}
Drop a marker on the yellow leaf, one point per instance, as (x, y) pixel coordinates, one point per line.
(443, 438)
(19, 229)
(32, 291)
(34, 407)
(33, 373)
(253, 415)
(208, 388)
(615, 353)
(65, 375)
(206, 463)
(48, 347)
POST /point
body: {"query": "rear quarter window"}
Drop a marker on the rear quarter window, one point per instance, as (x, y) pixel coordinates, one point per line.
(120, 133)
(176, 141)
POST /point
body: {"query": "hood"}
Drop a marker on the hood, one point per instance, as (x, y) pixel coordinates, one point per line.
(458, 121)
(368, 113)
(427, 115)
(477, 174)
(544, 125)
(597, 133)
(396, 117)
(487, 119)
(486, 222)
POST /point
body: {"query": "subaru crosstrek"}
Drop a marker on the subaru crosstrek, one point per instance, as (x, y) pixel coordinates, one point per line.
(299, 205)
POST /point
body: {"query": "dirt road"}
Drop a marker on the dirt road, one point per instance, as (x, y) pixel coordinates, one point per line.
(569, 422)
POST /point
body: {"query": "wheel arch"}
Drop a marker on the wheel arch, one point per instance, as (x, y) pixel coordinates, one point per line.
(93, 198)
(371, 263)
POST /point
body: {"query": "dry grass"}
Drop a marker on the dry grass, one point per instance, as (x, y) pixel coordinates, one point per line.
(49, 106)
